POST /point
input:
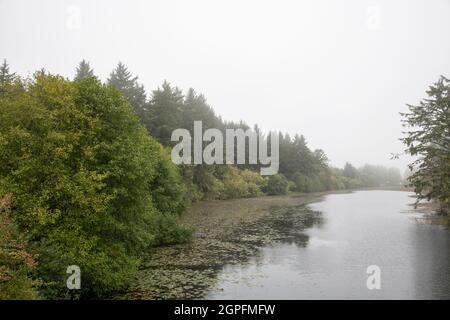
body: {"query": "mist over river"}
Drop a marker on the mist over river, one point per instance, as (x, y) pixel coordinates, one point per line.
(355, 230)
(302, 246)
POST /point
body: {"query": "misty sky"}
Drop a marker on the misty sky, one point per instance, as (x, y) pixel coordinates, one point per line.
(338, 72)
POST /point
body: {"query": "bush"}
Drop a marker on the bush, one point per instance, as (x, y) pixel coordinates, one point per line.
(291, 186)
(168, 230)
(301, 182)
(277, 184)
(239, 183)
(255, 182)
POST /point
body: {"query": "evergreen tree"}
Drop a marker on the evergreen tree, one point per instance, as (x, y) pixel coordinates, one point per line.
(195, 108)
(84, 71)
(6, 77)
(127, 84)
(350, 171)
(428, 138)
(165, 112)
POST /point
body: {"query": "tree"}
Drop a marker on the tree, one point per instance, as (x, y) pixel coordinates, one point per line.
(122, 79)
(6, 77)
(83, 71)
(165, 112)
(277, 184)
(87, 180)
(350, 171)
(195, 108)
(16, 261)
(428, 138)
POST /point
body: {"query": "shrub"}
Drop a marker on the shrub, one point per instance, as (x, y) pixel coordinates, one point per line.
(255, 182)
(239, 183)
(277, 184)
(301, 182)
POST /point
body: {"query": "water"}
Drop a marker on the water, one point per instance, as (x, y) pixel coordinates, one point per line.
(358, 230)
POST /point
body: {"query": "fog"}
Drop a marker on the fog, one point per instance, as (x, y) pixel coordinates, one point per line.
(338, 72)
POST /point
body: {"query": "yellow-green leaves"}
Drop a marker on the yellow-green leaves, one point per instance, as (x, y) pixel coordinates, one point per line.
(92, 188)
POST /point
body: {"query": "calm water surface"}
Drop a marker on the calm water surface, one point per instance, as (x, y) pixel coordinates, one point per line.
(357, 230)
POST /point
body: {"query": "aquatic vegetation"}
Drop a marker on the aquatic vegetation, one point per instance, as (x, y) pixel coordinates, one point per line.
(227, 233)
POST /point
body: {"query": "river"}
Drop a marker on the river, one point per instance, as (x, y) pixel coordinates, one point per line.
(355, 230)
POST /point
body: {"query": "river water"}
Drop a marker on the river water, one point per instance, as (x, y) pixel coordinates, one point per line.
(357, 230)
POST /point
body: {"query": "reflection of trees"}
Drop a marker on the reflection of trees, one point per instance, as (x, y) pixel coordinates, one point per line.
(432, 264)
(291, 222)
(188, 271)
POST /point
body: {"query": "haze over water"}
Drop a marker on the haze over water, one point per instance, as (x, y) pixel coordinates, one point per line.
(357, 230)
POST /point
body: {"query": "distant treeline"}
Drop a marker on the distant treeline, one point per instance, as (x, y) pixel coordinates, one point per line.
(301, 169)
(86, 178)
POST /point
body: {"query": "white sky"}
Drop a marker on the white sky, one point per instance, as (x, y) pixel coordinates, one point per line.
(338, 72)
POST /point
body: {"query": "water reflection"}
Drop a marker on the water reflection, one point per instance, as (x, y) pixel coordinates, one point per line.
(290, 224)
(325, 256)
(432, 274)
(188, 271)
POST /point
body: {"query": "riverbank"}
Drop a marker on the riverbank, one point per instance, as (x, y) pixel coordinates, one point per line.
(430, 215)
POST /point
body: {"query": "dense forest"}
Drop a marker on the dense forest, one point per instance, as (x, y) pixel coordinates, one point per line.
(86, 177)
(301, 169)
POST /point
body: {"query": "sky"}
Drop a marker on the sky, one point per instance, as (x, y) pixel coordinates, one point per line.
(338, 72)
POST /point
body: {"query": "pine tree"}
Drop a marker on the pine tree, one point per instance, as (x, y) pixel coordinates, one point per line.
(350, 171)
(84, 71)
(165, 112)
(195, 108)
(6, 77)
(127, 84)
(428, 139)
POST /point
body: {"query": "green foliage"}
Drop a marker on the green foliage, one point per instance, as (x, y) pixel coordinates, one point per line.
(84, 71)
(301, 182)
(167, 187)
(349, 171)
(277, 184)
(208, 181)
(127, 84)
(254, 181)
(85, 177)
(10, 84)
(195, 108)
(94, 189)
(164, 113)
(222, 182)
(240, 183)
(428, 138)
(168, 230)
(194, 194)
(6, 77)
(16, 261)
